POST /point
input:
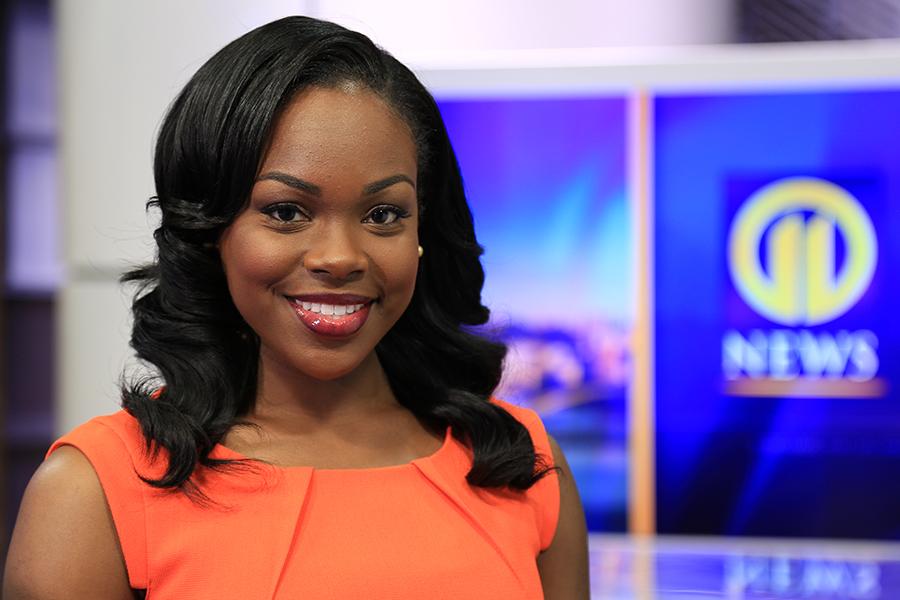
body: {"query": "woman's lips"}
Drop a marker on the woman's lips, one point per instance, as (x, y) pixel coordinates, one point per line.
(333, 319)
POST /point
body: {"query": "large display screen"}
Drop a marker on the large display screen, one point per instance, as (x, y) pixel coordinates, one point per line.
(777, 244)
(546, 180)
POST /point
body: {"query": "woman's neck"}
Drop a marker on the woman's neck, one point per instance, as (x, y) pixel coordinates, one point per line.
(296, 403)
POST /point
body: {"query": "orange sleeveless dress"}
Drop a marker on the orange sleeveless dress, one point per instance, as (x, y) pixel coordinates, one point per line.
(416, 530)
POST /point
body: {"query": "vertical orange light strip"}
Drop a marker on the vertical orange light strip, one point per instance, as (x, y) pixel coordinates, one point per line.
(641, 420)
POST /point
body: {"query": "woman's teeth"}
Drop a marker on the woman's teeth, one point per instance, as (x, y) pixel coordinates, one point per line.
(330, 309)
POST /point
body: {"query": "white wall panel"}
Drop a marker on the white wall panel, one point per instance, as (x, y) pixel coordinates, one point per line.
(414, 30)
(93, 349)
(121, 64)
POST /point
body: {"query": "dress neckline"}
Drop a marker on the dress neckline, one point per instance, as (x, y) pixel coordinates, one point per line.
(223, 452)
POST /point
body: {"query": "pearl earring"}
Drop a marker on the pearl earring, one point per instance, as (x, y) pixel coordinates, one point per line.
(421, 251)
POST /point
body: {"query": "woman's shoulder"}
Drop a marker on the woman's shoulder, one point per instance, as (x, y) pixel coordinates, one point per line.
(532, 422)
(65, 519)
(515, 410)
(115, 446)
(119, 430)
(544, 495)
(113, 449)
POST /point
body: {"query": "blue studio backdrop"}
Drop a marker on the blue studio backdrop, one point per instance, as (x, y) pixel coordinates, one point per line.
(546, 180)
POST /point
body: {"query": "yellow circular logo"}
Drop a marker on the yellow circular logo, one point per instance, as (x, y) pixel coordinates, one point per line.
(800, 284)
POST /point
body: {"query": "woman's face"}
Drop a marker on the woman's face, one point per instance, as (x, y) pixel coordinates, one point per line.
(322, 261)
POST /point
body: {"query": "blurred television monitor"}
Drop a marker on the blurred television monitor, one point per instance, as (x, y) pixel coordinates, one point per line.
(546, 181)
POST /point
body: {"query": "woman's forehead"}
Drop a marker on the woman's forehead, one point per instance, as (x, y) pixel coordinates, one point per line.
(333, 131)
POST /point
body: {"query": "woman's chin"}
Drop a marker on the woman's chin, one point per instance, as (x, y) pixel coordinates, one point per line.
(330, 374)
(330, 367)
(317, 363)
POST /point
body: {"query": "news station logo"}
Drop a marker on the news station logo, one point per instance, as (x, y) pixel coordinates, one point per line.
(802, 252)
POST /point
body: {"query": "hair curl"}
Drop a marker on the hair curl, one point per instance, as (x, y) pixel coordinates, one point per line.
(185, 324)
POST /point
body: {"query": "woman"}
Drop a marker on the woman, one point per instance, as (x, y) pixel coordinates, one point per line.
(321, 426)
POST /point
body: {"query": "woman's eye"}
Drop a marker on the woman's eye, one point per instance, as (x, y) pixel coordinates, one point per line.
(285, 213)
(385, 215)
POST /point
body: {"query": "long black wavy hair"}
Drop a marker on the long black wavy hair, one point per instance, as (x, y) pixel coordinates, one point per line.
(208, 152)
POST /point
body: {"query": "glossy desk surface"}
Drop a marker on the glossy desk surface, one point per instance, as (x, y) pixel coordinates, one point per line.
(689, 568)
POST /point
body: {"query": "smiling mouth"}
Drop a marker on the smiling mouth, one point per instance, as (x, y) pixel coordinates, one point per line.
(332, 319)
(328, 310)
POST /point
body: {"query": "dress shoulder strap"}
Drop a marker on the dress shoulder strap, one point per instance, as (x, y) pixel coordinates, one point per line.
(114, 446)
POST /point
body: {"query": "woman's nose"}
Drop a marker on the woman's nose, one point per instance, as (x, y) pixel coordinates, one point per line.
(335, 253)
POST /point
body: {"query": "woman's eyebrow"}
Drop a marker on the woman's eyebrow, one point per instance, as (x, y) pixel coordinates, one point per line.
(313, 189)
(381, 184)
(290, 180)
